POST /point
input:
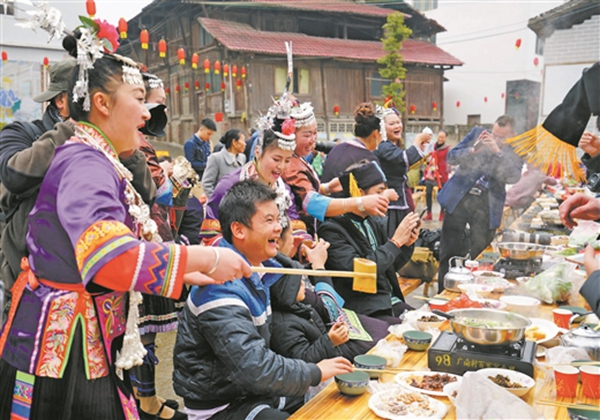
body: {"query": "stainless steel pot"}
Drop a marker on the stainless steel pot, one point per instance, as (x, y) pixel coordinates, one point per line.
(487, 336)
(520, 250)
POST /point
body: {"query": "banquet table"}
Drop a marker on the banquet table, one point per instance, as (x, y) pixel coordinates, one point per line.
(331, 404)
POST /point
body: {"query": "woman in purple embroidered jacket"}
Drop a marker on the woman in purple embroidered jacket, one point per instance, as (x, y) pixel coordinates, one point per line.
(67, 338)
(273, 154)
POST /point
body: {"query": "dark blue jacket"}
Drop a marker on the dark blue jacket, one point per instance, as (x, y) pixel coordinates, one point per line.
(197, 152)
(222, 349)
(503, 168)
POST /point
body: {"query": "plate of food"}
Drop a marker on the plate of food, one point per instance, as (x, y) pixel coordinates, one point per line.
(397, 404)
(541, 330)
(491, 303)
(430, 383)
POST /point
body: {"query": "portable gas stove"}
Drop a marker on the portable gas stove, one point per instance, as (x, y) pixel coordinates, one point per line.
(518, 268)
(452, 354)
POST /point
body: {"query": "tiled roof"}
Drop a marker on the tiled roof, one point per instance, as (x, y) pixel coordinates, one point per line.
(566, 15)
(335, 6)
(241, 37)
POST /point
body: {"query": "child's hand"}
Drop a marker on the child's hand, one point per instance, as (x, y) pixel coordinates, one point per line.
(338, 334)
(317, 255)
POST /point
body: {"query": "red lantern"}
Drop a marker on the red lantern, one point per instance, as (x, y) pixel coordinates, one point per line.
(195, 61)
(536, 61)
(413, 109)
(243, 72)
(239, 83)
(207, 86)
(167, 91)
(225, 70)
(458, 104)
(181, 56)
(518, 43)
(46, 62)
(517, 95)
(197, 85)
(223, 86)
(144, 39)
(336, 110)
(186, 86)
(206, 65)
(90, 7)
(434, 105)
(162, 48)
(177, 89)
(485, 99)
(502, 95)
(234, 71)
(4, 56)
(123, 28)
(217, 67)
(218, 117)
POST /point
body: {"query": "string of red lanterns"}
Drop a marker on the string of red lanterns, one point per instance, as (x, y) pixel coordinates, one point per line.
(4, 56)
(181, 56)
(46, 62)
(144, 39)
(434, 106)
(162, 48)
(336, 110)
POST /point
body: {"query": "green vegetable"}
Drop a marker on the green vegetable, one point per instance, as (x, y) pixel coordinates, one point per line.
(568, 252)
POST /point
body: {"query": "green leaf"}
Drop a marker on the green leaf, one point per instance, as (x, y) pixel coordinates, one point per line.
(89, 23)
(107, 44)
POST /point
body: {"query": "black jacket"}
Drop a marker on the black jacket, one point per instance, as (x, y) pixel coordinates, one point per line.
(591, 291)
(297, 330)
(347, 243)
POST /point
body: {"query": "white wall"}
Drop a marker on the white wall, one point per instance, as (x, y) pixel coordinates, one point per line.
(482, 33)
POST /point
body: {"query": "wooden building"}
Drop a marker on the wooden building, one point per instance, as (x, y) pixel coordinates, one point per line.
(335, 46)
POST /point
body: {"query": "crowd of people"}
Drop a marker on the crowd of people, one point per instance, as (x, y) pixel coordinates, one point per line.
(102, 248)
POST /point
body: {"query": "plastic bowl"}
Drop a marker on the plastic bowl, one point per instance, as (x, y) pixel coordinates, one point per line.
(523, 305)
(370, 361)
(417, 340)
(450, 390)
(481, 290)
(514, 376)
(426, 325)
(352, 384)
(439, 304)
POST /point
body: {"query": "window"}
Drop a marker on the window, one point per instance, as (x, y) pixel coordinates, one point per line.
(300, 80)
(7, 8)
(205, 37)
(215, 82)
(377, 84)
(425, 5)
(473, 119)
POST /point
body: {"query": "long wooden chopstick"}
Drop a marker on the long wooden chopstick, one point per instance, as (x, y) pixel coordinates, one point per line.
(568, 405)
(389, 371)
(316, 273)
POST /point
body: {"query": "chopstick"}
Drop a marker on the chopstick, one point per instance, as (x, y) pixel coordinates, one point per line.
(315, 273)
(568, 405)
(389, 371)
(585, 363)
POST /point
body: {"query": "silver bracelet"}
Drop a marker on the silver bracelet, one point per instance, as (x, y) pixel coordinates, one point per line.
(359, 205)
(217, 259)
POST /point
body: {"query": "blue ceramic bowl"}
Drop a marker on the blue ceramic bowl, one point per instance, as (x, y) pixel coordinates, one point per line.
(352, 384)
(370, 361)
(417, 340)
(581, 414)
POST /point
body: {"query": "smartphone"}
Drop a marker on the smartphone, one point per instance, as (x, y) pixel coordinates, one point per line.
(478, 145)
(423, 213)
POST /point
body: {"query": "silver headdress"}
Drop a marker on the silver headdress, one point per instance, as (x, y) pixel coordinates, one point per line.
(46, 18)
(304, 115)
(90, 47)
(281, 109)
(154, 82)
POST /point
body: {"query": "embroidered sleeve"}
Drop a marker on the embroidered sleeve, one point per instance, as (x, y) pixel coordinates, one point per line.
(109, 255)
(316, 205)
